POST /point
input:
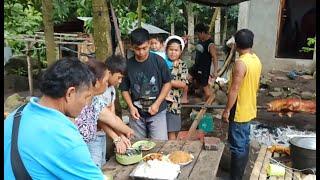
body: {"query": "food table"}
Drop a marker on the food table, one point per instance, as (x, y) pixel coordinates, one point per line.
(204, 165)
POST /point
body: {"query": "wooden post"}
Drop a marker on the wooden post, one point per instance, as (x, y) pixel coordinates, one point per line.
(225, 26)
(29, 68)
(60, 51)
(172, 28)
(39, 65)
(217, 31)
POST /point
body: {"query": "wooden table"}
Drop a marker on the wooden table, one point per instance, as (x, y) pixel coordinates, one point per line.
(259, 171)
(204, 166)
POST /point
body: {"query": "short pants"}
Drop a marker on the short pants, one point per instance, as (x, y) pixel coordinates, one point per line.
(201, 76)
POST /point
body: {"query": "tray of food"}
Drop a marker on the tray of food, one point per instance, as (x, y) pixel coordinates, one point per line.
(155, 166)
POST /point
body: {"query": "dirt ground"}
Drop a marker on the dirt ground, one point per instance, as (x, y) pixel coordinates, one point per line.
(278, 80)
(301, 121)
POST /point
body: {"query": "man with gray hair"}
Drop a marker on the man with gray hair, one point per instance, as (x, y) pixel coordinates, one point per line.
(50, 145)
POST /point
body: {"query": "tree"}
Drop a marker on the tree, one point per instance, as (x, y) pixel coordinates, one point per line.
(174, 14)
(101, 29)
(139, 11)
(190, 14)
(47, 11)
(213, 19)
(232, 14)
(20, 19)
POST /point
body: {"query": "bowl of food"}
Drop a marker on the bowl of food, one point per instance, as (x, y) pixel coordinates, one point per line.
(153, 156)
(131, 156)
(145, 145)
(180, 157)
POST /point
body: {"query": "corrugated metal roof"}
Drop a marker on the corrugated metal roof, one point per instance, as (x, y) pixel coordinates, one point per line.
(151, 28)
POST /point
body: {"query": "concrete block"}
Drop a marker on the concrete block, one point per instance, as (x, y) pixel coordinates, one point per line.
(211, 143)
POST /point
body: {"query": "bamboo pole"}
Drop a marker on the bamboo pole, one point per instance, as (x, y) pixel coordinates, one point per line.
(228, 61)
(213, 19)
(192, 131)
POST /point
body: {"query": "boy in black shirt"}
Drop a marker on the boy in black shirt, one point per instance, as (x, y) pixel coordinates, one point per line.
(145, 87)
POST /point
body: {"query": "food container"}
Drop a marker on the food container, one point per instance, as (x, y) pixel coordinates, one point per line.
(303, 153)
(126, 159)
(155, 169)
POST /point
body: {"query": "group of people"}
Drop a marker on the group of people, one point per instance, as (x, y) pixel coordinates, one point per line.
(62, 135)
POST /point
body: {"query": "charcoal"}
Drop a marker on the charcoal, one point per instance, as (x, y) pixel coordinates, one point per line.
(266, 135)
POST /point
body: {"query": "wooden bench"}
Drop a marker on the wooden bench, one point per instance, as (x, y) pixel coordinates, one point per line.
(259, 171)
(204, 166)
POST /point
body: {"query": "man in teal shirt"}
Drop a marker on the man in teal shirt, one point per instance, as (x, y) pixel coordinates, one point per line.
(49, 144)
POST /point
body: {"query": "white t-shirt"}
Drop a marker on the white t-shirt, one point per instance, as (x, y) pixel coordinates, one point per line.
(109, 96)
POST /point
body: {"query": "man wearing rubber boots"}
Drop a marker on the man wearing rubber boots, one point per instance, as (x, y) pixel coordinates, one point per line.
(241, 106)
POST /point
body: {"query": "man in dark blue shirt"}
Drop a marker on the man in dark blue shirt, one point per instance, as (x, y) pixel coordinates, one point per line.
(145, 87)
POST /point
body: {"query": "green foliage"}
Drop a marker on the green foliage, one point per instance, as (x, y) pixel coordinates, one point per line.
(203, 14)
(163, 13)
(232, 15)
(20, 19)
(127, 14)
(40, 53)
(88, 25)
(310, 42)
(64, 10)
(233, 12)
(84, 8)
(25, 16)
(122, 102)
(19, 71)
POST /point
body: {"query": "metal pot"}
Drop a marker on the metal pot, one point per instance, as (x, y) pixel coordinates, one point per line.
(303, 153)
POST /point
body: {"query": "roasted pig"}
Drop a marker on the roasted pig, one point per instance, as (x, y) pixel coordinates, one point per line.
(279, 149)
(291, 105)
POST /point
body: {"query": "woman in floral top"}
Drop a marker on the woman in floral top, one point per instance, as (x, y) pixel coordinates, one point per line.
(87, 121)
(174, 48)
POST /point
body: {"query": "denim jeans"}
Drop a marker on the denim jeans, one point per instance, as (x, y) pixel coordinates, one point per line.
(97, 149)
(239, 147)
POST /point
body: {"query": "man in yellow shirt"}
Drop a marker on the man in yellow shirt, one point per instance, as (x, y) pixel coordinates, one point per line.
(241, 106)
